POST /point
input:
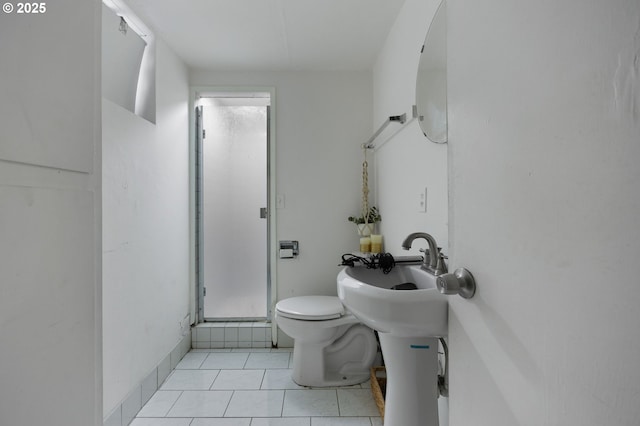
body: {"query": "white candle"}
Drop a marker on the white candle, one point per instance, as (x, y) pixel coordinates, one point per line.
(365, 244)
(376, 243)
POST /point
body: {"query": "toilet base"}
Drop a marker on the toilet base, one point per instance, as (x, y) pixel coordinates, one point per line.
(314, 355)
(344, 362)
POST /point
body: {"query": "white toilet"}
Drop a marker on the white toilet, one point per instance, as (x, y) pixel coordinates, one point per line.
(331, 347)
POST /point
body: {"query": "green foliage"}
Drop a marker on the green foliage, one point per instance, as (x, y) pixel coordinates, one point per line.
(374, 217)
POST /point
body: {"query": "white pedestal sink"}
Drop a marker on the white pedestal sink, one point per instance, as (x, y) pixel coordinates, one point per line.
(409, 323)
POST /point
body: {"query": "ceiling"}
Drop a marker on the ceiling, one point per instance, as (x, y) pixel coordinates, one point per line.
(265, 35)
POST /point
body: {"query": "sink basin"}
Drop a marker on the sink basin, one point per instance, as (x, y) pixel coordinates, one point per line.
(409, 320)
(368, 294)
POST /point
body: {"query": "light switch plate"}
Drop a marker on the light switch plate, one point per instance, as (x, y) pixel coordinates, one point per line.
(422, 201)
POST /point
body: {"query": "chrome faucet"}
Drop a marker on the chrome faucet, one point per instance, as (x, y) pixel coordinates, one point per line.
(433, 261)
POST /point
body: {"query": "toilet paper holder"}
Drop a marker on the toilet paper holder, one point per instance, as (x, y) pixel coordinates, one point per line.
(288, 249)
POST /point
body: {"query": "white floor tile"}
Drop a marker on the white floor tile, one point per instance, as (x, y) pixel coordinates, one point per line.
(340, 421)
(268, 360)
(279, 379)
(310, 402)
(220, 422)
(160, 422)
(201, 404)
(192, 360)
(356, 402)
(238, 379)
(248, 387)
(225, 360)
(160, 404)
(190, 380)
(261, 403)
(279, 421)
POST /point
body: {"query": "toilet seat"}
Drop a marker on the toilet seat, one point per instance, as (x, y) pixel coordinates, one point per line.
(311, 308)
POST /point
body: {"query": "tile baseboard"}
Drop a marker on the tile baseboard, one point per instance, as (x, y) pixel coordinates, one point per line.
(126, 411)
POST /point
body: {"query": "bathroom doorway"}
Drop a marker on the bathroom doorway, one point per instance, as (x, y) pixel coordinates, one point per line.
(233, 146)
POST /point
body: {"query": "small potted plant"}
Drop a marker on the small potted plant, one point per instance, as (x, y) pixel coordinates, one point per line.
(366, 223)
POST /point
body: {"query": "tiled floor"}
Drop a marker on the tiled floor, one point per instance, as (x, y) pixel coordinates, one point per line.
(251, 387)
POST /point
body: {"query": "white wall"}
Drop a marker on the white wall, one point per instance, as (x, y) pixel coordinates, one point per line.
(408, 163)
(145, 227)
(544, 147)
(321, 120)
(50, 330)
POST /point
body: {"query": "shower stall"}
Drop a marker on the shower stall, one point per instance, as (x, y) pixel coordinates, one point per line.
(232, 146)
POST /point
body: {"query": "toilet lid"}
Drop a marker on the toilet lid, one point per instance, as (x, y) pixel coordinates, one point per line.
(311, 308)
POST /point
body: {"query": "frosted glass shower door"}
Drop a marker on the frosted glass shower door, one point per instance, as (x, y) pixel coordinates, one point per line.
(234, 189)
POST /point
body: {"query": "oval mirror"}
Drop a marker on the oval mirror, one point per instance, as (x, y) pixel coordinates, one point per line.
(431, 83)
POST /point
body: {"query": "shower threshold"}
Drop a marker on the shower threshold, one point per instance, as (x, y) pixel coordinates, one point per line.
(231, 335)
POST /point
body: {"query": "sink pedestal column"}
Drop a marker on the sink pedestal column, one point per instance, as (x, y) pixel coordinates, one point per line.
(412, 380)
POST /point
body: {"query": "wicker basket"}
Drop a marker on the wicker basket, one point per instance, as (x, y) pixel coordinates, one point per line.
(379, 387)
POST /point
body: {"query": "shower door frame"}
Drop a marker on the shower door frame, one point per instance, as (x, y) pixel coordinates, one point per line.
(197, 282)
